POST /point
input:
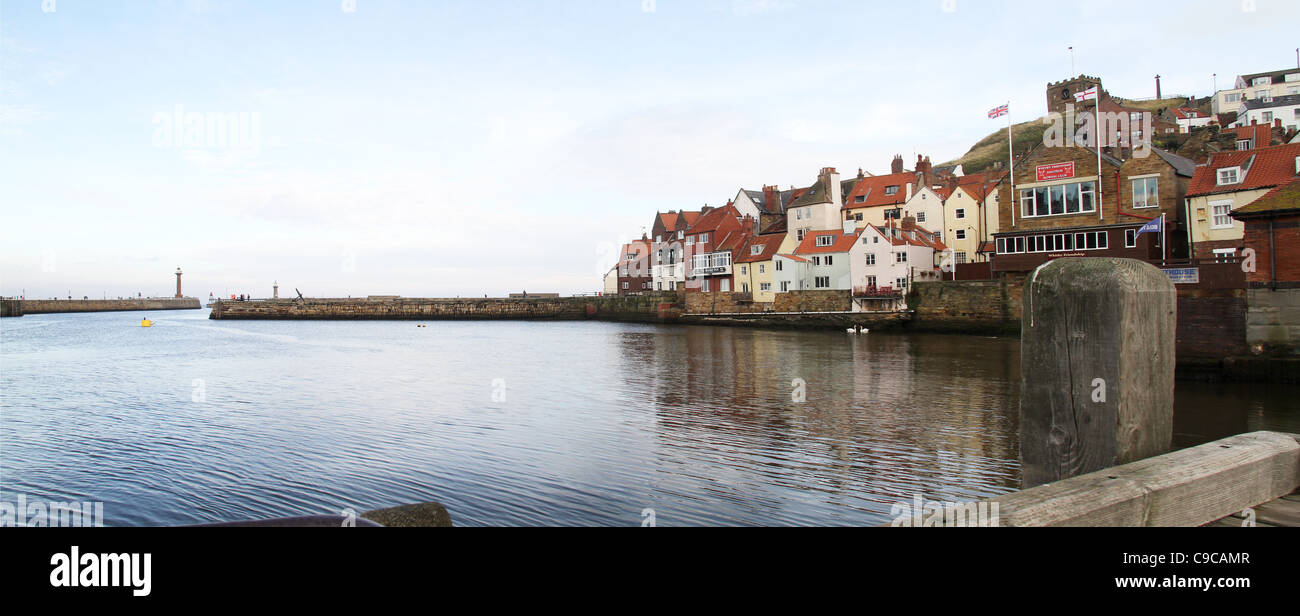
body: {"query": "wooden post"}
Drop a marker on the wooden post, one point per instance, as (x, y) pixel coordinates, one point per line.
(1096, 366)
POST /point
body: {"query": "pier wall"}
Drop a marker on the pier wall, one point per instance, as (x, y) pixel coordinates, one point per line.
(651, 307)
(45, 306)
(11, 308)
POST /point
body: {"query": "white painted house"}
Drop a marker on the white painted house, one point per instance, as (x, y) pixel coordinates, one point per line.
(886, 260)
(818, 208)
(1269, 111)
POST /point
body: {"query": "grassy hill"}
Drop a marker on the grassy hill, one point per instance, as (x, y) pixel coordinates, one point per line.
(993, 148)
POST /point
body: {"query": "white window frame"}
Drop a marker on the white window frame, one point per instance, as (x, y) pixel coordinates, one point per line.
(1147, 201)
(829, 240)
(1214, 216)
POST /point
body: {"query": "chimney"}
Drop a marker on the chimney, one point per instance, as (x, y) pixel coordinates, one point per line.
(1157, 87)
(859, 173)
(833, 179)
(897, 165)
(909, 223)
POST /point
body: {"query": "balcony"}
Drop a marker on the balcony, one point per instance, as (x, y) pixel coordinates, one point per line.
(879, 292)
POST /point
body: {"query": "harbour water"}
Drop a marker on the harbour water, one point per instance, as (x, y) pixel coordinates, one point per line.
(522, 423)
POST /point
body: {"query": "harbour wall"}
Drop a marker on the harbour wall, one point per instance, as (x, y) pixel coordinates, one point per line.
(651, 307)
(46, 306)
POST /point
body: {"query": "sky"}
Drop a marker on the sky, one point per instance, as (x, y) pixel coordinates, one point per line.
(440, 149)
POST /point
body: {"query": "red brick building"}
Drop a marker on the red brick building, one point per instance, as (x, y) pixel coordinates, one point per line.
(634, 267)
(709, 245)
(1273, 233)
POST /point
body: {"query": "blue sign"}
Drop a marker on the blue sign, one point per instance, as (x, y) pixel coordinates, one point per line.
(1184, 275)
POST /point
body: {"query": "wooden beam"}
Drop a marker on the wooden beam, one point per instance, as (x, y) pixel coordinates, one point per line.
(1189, 487)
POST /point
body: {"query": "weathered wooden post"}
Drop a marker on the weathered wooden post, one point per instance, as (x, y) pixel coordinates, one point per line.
(1096, 366)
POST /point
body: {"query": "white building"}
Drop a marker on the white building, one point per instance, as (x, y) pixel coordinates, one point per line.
(818, 208)
(1256, 86)
(1267, 111)
(885, 261)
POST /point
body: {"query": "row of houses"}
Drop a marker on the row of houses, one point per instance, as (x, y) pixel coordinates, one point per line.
(875, 235)
(870, 234)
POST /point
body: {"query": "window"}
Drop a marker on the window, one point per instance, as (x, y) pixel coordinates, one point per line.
(1259, 81)
(829, 259)
(704, 286)
(1059, 199)
(891, 190)
(764, 286)
(822, 282)
(659, 238)
(858, 217)
(860, 199)
(798, 234)
(900, 256)
(1229, 175)
(798, 214)
(959, 213)
(762, 268)
(1268, 117)
(625, 285)
(1243, 144)
(960, 257)
(1146, 192)
(785, 286)
(900, 283)
(690, 240)
(825, 240)
(961, 234)
(744, 271)
(660, 285)
(680, 234)
(1221, 209)
(756, 250)
(704, 238)
(920, 217)
(871, 281)
(875, 239)
(871, 259)
(1130, 238)
(1261, 94)
(744, 287)
(724, 285)
(817, 260)
(778, 266)
(1232, 97)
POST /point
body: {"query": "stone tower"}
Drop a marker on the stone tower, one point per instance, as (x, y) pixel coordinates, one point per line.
(178, 282)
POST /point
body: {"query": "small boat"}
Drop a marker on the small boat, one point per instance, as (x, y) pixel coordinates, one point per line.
(145, 322)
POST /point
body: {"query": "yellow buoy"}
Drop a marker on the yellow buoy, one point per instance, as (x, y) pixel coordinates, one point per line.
(146, 323)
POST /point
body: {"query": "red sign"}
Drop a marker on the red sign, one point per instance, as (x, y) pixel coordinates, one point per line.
(1054, 171)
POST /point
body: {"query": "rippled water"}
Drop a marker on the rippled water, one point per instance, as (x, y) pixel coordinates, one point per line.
(197, 421)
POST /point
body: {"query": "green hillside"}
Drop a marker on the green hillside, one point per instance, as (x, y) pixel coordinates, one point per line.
(993, 148)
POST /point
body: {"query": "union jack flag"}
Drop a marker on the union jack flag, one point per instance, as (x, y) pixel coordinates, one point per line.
(998, 112)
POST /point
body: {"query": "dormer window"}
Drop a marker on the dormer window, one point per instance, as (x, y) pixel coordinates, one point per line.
(825, 240)
(891, 190)
(860, 199)
(1229, 175)
(756, 250)
(680, 234)
(704, 238)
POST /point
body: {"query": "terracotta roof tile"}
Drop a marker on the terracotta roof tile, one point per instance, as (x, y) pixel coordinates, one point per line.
(873, 189)
(1284, 198)
(1261, 168)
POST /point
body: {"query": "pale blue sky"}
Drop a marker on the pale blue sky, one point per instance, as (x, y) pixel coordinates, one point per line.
(462, 148)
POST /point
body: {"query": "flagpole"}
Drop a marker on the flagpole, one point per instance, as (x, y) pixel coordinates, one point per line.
(1164, 239)
(1011, 167)
(1096, 131)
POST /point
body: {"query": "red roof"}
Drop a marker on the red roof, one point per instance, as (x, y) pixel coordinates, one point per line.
(841, 242)
(768, 244)
(873, 190)
(980, 185)
(1260, 167)
(1184, 113)
(920, 237)
(1261, 135)
(710, 220)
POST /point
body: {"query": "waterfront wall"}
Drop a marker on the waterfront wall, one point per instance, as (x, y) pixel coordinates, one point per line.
(975, 306)
(814, 301)
(651, 307)
(11, 308)
(45, 306)
(1273, 321)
